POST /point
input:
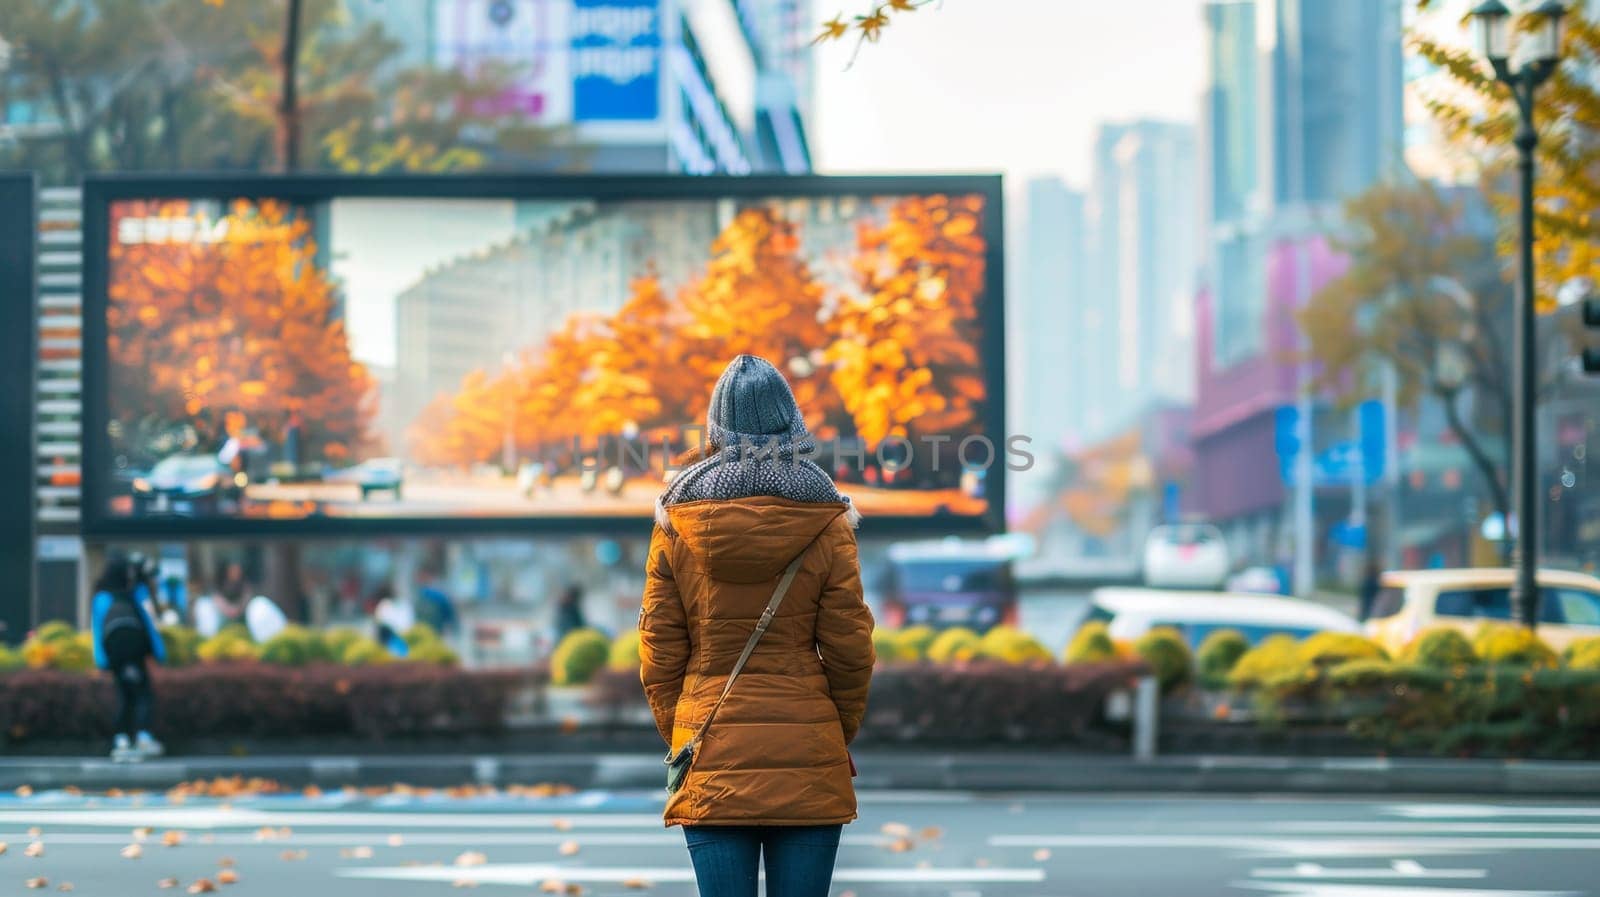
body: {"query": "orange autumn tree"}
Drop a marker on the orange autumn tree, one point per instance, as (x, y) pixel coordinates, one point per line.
(758, 297)
(905, 358)
(639, 371)
(236, 329)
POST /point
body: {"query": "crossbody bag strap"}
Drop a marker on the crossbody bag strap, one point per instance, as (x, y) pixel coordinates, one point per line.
(750, 646)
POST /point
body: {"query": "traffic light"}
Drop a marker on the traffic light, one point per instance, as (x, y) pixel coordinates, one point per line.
(1591, 321)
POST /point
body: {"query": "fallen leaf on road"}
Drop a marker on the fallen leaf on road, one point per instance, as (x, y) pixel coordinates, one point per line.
(203, 886)
(290, 856)
(75, 791)
(847, 894)
(132, 852)
(562, 825)
(932, 833)
(208, 838)
(225, 862)
(896, 829)
(575, 890)
(310, 791)
(227, 877)
(24, 791)
(568, 848)
(142, 832)
(64, 886)
(36, 849)
(37, 883)
(396, 840)
(34, 831)
(982, 863)
(284, 831)
(1041, 855)
(171, 838)
(4, 847)
(569, 725)
(552, 886)
(167, 883)
(900, 845)
(464, 883)
(637, 884)
(114, 792)
(471, 858)
(361, 853)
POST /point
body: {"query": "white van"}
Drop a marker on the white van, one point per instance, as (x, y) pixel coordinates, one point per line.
(1130, 613)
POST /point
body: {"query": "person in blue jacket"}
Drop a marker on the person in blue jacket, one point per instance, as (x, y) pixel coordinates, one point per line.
(125, 638)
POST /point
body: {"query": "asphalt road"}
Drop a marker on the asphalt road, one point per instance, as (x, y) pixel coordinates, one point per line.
(960, 845)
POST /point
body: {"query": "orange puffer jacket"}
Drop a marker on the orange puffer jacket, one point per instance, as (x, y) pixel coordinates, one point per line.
(775, 754)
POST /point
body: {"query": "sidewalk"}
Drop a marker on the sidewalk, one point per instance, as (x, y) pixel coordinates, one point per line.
(879, 769)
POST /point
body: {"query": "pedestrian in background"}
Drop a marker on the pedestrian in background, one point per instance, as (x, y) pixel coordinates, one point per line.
(434, 606)
(569, 612)
(1371, 583)
(743, 539)
(125, 638)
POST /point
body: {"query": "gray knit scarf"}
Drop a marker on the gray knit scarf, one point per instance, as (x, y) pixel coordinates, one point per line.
(770, 465)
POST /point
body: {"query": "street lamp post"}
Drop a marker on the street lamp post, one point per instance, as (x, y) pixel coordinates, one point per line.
(1538, 62)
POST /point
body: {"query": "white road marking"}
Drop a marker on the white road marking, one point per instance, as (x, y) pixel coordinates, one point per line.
(527, 874)
(245, 817)
(1487, 811)
(1429, 828)
(378, 839)
(1396, 870)
(1324, 889)
(1267, 846)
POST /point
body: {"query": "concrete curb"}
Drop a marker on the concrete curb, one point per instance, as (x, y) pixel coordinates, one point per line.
(977, 771)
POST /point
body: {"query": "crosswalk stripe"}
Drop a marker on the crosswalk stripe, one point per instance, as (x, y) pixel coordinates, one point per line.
(528, 874)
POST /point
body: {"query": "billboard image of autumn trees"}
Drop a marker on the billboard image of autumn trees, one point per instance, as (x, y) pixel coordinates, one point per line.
(555, 361)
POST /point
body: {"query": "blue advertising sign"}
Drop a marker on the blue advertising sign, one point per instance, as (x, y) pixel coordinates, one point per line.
(1286, 439)
(1373, 438)
(616, 60)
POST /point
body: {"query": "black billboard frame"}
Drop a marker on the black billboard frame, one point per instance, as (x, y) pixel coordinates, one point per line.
(99, 191)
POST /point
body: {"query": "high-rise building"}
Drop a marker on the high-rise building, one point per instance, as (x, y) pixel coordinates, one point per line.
(1143, 223)
(683, 86)
(1052, 326)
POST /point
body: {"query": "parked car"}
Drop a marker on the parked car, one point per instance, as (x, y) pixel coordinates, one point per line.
(1131, 612)
(1258, 580)
(1185, 556)
(378, 475)
(1409, 602)
(951, 583)
(187, 484)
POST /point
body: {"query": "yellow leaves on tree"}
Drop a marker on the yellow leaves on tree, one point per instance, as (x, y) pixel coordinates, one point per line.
(758, 297)
(243, 332)
(1567, 113)
(905, 359)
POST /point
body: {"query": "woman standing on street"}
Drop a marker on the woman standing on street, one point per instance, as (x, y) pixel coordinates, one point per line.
(753, 526)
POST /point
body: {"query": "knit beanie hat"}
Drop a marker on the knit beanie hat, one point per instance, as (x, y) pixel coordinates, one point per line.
(752, 402)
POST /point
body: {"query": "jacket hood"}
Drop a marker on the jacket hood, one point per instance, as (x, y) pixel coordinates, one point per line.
(748, 539)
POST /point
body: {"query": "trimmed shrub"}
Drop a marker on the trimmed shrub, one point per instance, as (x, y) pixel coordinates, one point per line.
(291, 647)
(953, 644)
(624, 652)
(913, 642)
(1008, 644)
(1218, 654)
(886, 645)
(1326, 649)
(53, 631)
(1091, 644)
(1584, 654)
(987, 703)
(335, 641)
(435, 652)
(1167, 654)
(1504, 643)
(1276, 659)
(235, 630)
(1441, 649)
(421, 634)
(75, 654)
(580, 654)
(10, 659)
(364, 652)
(227, 647)
(182, 643)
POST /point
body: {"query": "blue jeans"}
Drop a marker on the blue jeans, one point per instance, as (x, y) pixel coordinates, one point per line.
(799, 858)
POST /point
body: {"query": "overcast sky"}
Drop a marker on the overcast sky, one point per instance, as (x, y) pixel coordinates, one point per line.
(1017, 86)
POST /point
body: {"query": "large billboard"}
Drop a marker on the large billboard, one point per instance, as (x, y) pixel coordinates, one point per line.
(297, 356)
